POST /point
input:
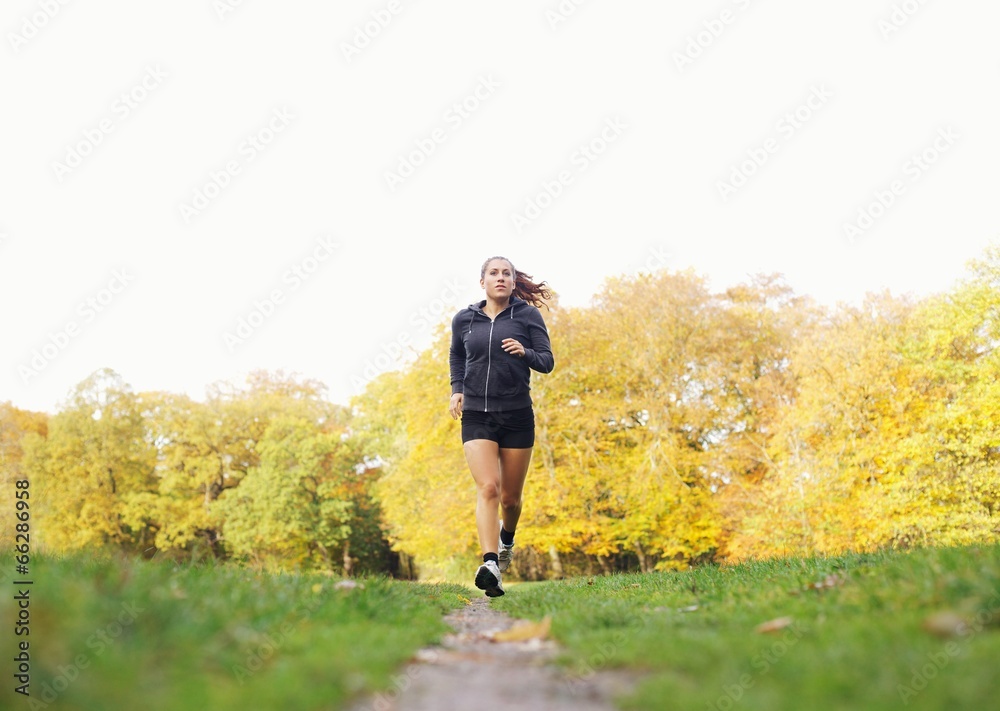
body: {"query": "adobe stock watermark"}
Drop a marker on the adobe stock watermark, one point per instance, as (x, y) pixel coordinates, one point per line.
(786, 128)
(387, 700)
(937, 661)
(712, 29)
(366, 32)
(898, 17)
(392, 352)
(288, 283)
(223, 8)
(656, 257)
(32, 25)
(268, 644)
(99, 642)
(914, 168)
(561, 12)
(86, 312)
(580, 160)
(762, 663)
(452, 120)
(249, 149)
(119, 112)
(585, 670)
(577, 679)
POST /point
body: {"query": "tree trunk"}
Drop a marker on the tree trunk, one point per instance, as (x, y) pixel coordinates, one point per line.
(604, 564)
(535, 572)
(406, 569)
(348, 561)
(557, 568)
(643, 566)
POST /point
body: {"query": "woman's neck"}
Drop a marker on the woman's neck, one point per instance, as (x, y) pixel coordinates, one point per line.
(494, 307)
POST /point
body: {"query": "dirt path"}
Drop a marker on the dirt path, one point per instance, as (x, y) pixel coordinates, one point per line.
(470, 671)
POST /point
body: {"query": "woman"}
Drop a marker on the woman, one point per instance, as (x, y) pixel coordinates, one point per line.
(493, 345)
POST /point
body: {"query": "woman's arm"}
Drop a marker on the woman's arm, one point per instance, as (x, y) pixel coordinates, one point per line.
(456, 356)
(456, 362)
(538, 351)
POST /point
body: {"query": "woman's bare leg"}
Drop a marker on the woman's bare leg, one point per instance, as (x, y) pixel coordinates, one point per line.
(483, 456)
(513, 469)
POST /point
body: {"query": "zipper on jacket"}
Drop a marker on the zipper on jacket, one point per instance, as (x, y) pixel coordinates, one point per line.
(489, 360)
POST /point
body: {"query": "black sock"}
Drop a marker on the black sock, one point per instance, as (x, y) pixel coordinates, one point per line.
(491, 556)
(507, 537)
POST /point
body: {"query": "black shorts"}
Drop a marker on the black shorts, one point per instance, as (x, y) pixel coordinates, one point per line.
(514, 429)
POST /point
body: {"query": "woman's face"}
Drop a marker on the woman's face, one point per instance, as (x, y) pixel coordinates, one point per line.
(498, 280)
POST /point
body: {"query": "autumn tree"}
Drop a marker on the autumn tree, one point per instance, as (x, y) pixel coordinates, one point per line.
(425, 490)
(286, 512)
(94, 470)
(206, 448)
(15, 425)
(891, 437)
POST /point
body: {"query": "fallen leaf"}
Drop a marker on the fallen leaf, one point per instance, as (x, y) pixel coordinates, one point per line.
(427, 656)
(523, 631)
(775, 625)
(946, 623)
(829, 582)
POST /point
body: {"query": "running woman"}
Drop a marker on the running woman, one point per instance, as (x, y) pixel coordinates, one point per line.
(493, 345)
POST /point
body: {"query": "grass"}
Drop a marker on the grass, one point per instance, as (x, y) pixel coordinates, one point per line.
(857, 637)
(127, 634)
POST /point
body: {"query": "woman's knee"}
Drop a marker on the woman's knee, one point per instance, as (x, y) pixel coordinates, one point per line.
(509, 501)
(489, 490)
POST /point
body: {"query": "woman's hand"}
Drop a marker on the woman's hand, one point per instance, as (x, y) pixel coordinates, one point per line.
(513, 347)
(455, 407)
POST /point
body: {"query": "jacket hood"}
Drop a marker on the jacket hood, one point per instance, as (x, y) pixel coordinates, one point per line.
(514, 300)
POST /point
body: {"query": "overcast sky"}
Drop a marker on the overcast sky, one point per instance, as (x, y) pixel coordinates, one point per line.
(196, 189)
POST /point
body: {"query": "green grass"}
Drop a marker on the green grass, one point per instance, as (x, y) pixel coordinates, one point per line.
(857, 642)
(127, 634)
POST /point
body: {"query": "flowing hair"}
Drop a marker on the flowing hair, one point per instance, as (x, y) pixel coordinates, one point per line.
(524, 287)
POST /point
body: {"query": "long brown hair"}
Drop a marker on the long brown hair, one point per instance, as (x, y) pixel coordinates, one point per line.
(524, 287)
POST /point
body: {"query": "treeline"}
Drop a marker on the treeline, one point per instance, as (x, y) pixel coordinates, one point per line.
(680, 426)
(266, 472)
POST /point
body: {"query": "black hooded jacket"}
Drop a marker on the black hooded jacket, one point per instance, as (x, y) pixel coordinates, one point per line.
(491, 379)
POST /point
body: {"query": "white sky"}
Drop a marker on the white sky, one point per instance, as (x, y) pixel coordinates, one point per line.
(213, 78)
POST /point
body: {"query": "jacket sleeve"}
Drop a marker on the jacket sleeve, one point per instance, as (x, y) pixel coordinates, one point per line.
(456, 356)
(538, 353)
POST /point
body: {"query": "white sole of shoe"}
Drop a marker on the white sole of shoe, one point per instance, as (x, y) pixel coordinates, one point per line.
(485, 580)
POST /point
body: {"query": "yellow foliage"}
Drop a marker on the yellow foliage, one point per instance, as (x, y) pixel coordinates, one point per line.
(680, 425)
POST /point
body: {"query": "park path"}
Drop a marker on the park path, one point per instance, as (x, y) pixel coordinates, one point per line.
(471, 671)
